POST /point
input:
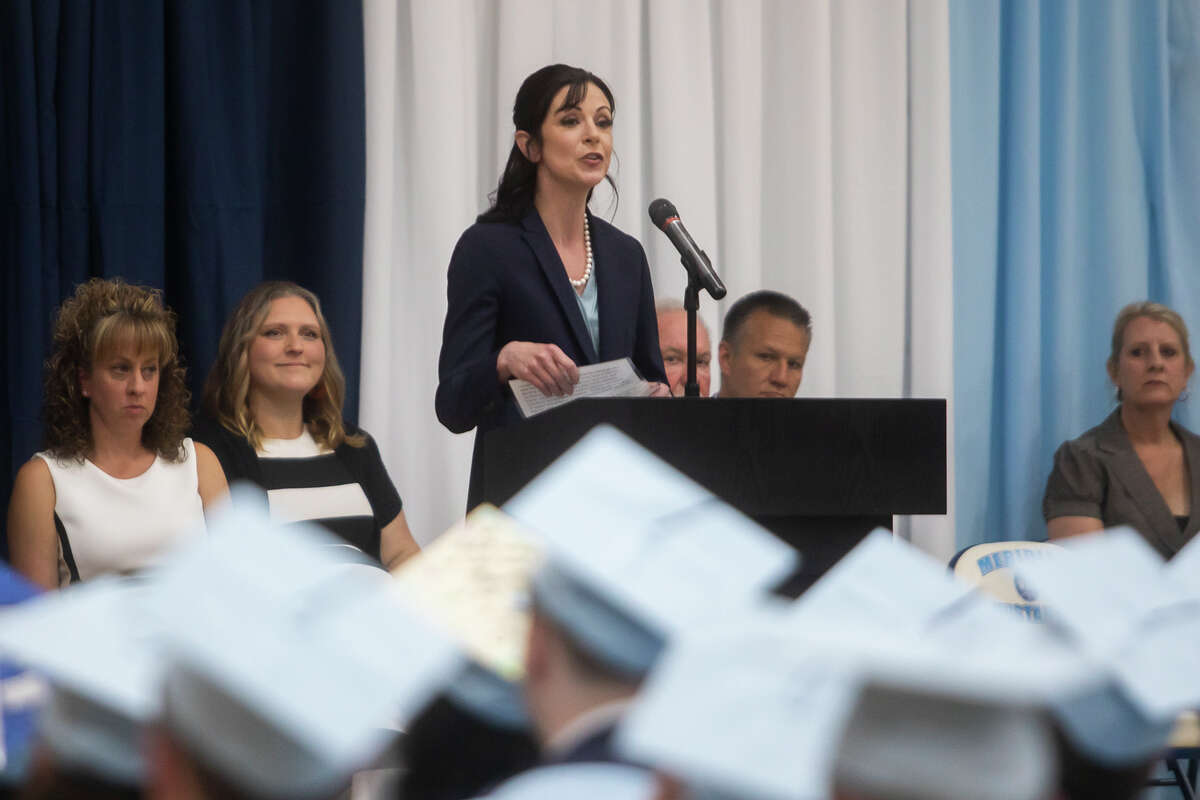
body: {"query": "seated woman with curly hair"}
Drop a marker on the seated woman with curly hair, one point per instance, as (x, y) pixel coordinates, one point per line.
(118, 481)
(273, 416)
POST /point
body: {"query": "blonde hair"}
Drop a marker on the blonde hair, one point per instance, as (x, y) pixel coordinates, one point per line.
(227, 389)
(105, 317)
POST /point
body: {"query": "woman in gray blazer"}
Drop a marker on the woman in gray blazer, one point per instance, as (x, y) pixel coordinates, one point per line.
(1138, 467)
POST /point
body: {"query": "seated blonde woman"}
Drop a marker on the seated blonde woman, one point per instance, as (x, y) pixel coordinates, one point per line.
(273, 416)
(117, 483)
(1138, 467)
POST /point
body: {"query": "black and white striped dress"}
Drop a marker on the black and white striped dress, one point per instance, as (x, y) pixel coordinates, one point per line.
(346, 490)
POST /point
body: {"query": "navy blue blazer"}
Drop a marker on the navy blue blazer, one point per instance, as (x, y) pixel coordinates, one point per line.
(506, 283)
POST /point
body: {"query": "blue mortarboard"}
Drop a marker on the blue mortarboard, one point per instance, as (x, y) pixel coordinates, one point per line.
(1105, 726)
(17, 706)
(96, 643)
(637, 552)
(287, 666)
(14, 588)
(579, 782)
(485, 694)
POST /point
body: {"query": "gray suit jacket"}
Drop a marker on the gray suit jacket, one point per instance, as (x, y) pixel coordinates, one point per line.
(1099, 475)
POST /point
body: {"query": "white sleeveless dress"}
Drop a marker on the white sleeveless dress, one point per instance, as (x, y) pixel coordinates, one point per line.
(122, 525)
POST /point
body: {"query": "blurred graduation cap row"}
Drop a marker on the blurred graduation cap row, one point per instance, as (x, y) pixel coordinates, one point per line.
(891, 678)
(272, 663)
(281, 667)
(284, 670)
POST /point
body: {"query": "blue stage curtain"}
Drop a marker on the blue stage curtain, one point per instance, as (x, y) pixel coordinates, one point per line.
(1076, 180)
(197, 147)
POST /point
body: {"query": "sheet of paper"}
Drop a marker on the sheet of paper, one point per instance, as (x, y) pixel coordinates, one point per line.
(616, 378)
(474, 579)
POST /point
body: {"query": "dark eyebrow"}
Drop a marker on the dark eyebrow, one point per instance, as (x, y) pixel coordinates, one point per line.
(565, 107)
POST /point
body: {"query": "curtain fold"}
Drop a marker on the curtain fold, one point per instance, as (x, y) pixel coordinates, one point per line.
(1076, 191)
(195, 147)
(780, 130)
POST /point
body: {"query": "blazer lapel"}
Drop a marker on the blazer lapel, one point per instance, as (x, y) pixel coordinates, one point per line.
(1191, 451)
(538, 239)
(613, 301)
(1128, 468)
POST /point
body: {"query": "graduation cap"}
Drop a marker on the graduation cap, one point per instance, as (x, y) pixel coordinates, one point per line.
(579, 782)
(772, 706)
(21, 691)
(902, 744)
(885, 582)
(636, 552)
(474, 582)
(1110, 595)
(96, 644)
(287, 667)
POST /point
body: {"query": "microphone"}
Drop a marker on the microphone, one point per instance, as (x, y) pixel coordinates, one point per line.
(695, 260)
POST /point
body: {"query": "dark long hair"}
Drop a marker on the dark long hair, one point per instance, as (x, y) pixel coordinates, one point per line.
(514, 196)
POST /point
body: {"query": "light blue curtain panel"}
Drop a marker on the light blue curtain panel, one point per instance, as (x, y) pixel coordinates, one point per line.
(1076, 180)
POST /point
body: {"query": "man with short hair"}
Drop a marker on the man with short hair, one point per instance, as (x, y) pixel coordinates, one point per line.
(672, 340)
(763, 347)
(576, 692)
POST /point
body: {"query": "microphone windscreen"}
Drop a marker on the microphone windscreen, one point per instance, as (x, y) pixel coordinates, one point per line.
(662, 210)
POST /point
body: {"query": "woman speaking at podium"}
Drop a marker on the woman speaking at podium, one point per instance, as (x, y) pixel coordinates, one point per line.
(538, 286)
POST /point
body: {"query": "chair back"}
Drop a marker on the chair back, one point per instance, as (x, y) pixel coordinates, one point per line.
(989, 567)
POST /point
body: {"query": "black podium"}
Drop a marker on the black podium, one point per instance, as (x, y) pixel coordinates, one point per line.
(819, 474)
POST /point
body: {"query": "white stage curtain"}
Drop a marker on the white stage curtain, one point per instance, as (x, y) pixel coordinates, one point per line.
(806, 145)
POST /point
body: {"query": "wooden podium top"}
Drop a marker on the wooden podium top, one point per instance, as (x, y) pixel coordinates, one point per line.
(766, 457)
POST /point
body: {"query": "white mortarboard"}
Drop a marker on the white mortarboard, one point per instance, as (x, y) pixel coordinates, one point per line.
(1094, 713)
(287, 666)
(96, 643)
(745, 708)
(757, 706)
(579, 782)
(474, 581)
(905, 745)
(964, 710)
(885, 582)
(1183, 568)
(637, 552)
(1110, 594)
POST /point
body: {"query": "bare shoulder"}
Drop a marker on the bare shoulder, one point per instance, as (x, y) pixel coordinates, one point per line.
(210, 475)
(34, 482)
(203, 452)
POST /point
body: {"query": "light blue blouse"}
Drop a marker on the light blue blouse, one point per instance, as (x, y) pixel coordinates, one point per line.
(590, 308)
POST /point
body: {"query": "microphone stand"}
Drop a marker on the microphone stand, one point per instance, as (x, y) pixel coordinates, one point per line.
(691, 302)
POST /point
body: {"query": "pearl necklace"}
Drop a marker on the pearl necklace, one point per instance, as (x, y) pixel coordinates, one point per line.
(587, 270)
